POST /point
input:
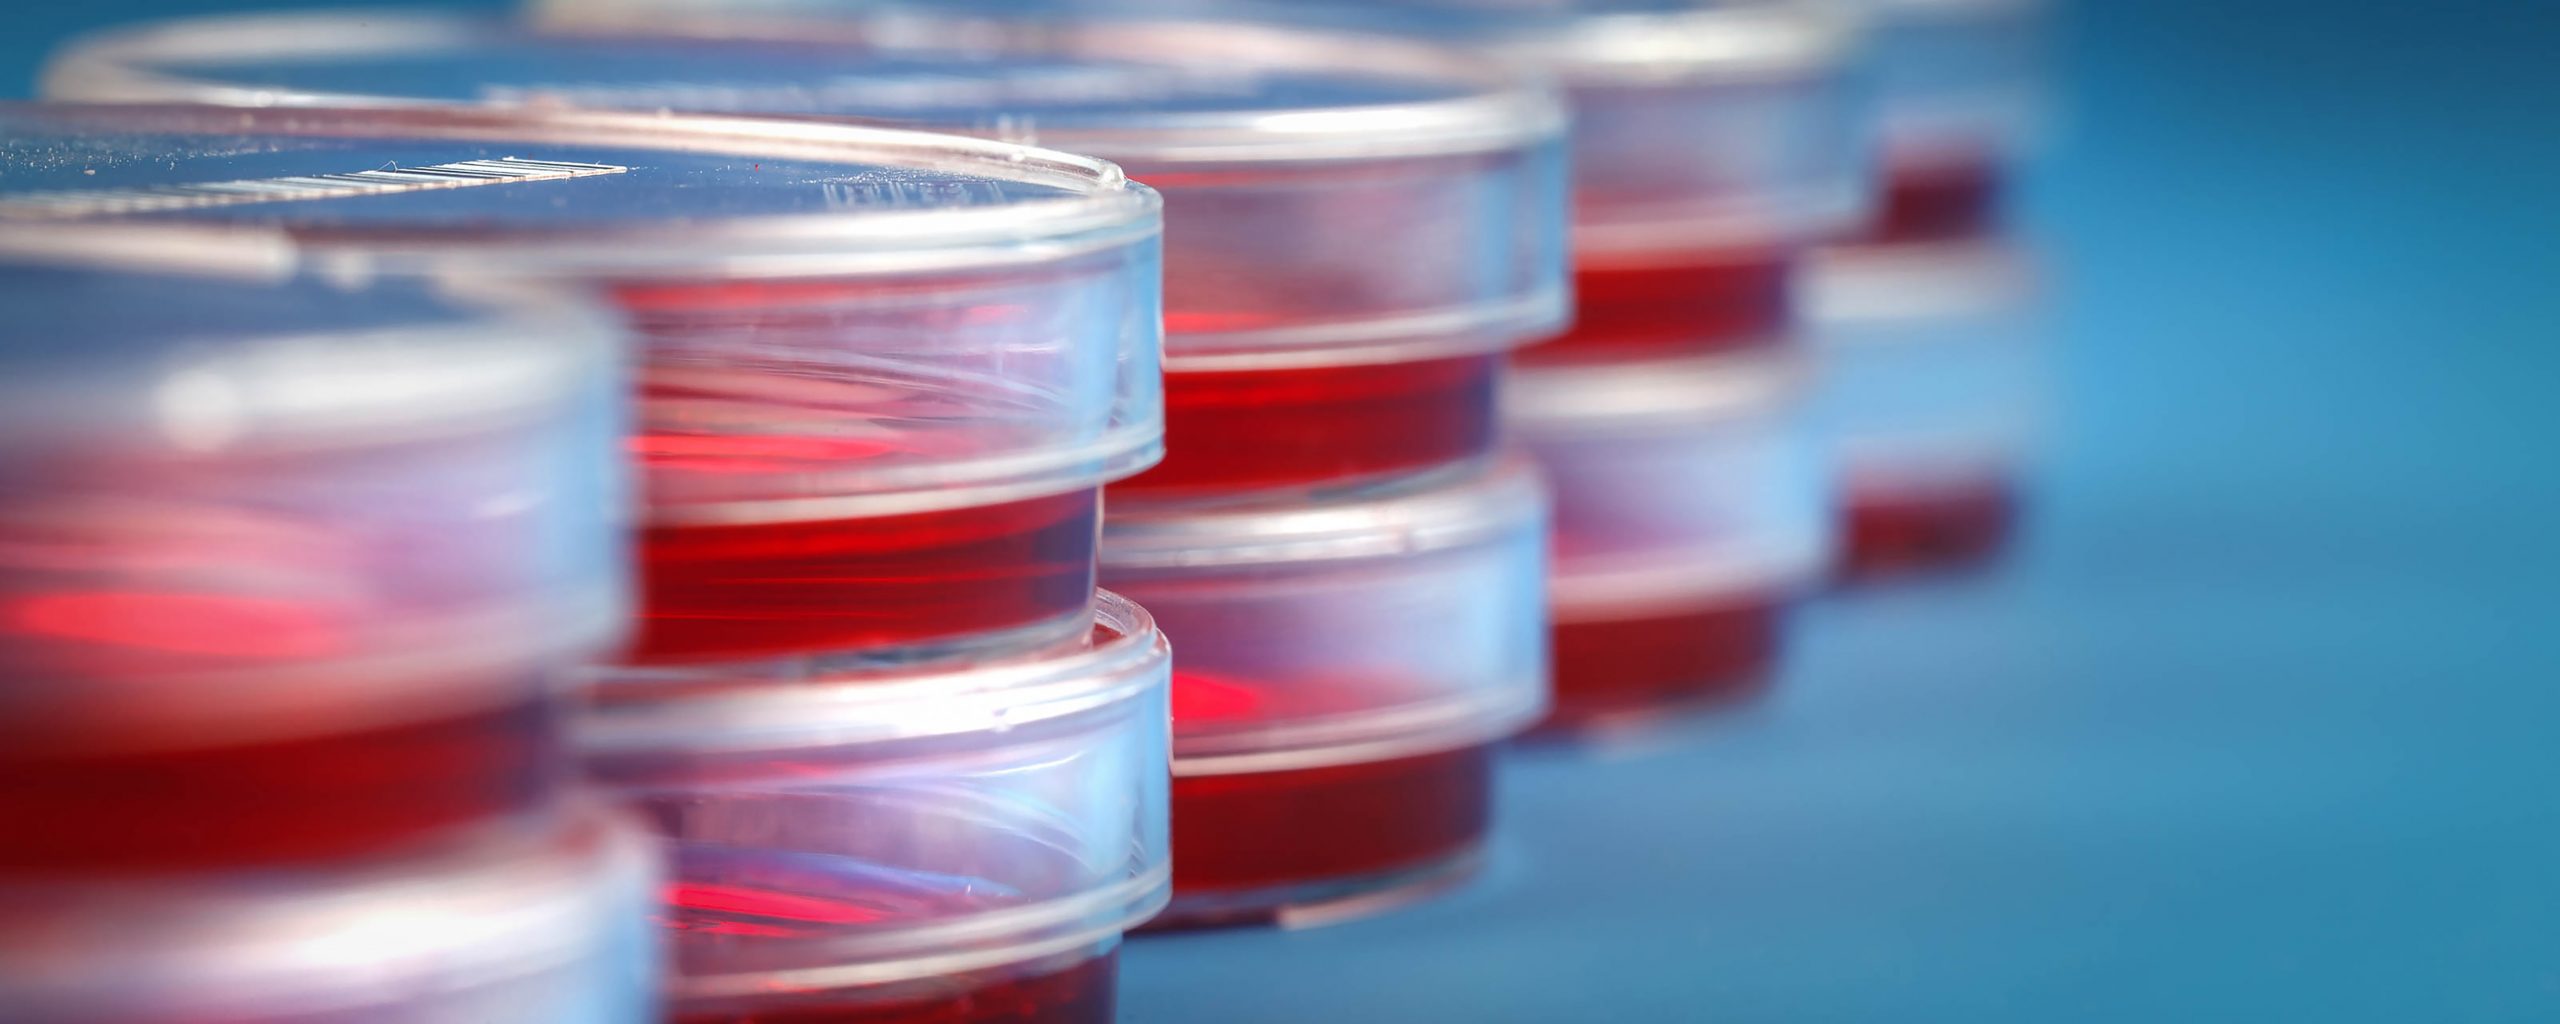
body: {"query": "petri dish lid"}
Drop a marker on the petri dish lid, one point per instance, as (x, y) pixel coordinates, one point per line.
(191, 341)
(1317, 180)
(406, 934)
(1698, 124)
(568, 194)
(1425, 512)
(800, 704)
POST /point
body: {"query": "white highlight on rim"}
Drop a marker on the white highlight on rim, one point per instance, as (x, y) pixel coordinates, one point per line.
(509, 170)
(774, 705)
(1480, 716)
(1609, 397)
(1860, 285)
(1456, 507)
(1681, 580)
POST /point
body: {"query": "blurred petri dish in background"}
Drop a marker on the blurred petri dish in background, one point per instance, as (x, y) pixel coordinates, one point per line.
(1711, 145)
(1961, 97)
(1690, 515)
(1347, 664)
(1932, 393)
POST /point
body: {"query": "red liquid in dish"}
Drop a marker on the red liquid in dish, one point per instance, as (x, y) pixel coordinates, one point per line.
(1622, 668)
(728, 898)
(1709, 303)
(1317, 425)
(1082, 993)
(713, 592)
(1315, 826)
(1887, 533)
(760, 384)
(277, 801)
(1939, 201)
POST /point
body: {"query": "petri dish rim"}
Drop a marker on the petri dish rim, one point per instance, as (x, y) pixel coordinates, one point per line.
(1102, 208)
(795, 704)
(1492, 108)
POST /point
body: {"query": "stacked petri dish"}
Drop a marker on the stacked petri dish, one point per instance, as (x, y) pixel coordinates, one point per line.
(1357, 231)
(294, 572)
(902, 758)
(1929, 319)
(1714, 146)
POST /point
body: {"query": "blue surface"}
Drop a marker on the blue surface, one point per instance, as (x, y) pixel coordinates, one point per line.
(2259, 725)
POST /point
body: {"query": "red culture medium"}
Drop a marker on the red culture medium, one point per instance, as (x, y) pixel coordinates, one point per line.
(1082, 993)
(1321, 827)
(721, 591)
(759, 589)
(1890, 532)
(308, 798)
(722, 894)
(1322, 424)
(1621, 669)
(1708, 302)
(1942, 200)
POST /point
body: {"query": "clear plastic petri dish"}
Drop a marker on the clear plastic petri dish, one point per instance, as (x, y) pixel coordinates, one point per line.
(289, 568)
(1347, 665)
(1933, 384)
(882, 377)
(1356, 228)
(1712, 143)
(1692, 510)
(1960, 95)
(512, 926)
(900, 839)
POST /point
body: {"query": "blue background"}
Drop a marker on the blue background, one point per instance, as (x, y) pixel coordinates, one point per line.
(2258, 724)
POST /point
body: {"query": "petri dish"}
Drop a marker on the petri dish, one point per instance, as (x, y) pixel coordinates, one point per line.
(882, 374)
(1711, 145)
(291, 568)
(945, 838)
(1960, 97)
(1934, 383)
(1348, 663)
(1692, 511)
(511, 926)
(1356, 228)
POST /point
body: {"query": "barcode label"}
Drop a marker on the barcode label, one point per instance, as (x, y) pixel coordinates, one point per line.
(163, 198)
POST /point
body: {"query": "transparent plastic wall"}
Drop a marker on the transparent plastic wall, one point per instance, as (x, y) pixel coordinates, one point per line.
(519, 925)
(294, 568)
(862, 832)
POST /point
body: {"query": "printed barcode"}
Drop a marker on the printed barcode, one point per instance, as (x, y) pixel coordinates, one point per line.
(162, 198)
